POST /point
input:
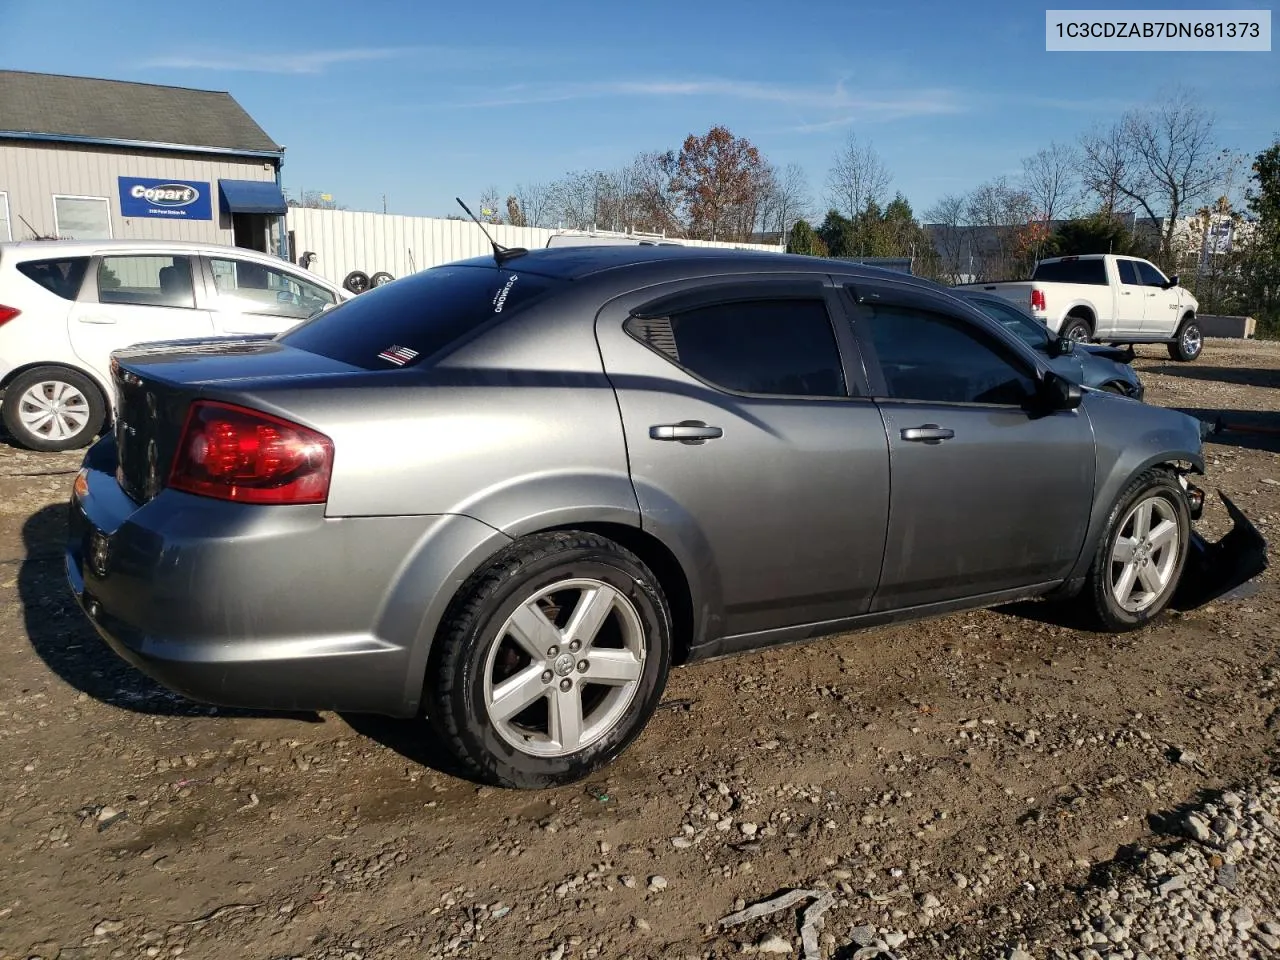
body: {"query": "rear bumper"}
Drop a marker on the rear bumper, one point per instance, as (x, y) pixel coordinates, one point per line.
(274, 608)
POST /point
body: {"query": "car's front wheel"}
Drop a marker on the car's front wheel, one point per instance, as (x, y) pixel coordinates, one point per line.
(1139, 561)
(1188, 343)
(551, 661)
(53, 408)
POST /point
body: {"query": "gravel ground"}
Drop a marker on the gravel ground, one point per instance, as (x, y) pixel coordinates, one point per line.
(970, 787)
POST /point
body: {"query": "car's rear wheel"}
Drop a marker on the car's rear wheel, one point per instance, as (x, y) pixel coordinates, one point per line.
(53, 408)
(1189, 342)
(551, 661)
(1077, 329)
(1139, 561)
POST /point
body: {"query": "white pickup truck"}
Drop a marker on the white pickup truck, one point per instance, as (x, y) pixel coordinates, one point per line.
(1108, 298)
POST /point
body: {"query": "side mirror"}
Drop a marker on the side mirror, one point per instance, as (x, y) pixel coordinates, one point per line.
(1062, 347)
(1060, 393)
(1172, 282)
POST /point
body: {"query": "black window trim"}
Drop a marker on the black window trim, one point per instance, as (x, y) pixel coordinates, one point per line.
(751, 289)
(966, 314)
(88, 282)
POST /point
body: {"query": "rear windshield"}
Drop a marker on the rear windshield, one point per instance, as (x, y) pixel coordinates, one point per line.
(62, 277)
(403, 323)
(1073, 271)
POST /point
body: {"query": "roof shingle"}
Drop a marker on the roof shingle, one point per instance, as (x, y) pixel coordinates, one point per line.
(53, 105)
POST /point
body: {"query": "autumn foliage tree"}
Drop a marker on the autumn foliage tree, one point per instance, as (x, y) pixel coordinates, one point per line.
(719, 179)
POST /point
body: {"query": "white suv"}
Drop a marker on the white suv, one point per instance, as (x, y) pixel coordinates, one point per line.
(66, 304)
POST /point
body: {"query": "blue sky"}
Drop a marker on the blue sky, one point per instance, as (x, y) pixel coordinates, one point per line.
(425, 101)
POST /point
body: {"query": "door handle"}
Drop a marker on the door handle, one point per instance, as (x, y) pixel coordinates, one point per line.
(929, 433)
(687, 431)
(98, 319)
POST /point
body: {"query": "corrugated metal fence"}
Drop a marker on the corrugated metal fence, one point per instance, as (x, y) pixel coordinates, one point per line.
(346, 240)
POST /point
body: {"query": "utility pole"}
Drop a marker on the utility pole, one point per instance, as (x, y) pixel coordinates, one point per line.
(384, 203)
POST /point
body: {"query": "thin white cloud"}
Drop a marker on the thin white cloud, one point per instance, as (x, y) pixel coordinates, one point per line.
(834, 99)
(307, 62)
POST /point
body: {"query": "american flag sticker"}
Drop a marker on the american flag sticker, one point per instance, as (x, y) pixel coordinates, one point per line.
(398, 355)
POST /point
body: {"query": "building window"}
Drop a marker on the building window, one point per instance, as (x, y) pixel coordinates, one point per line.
(6, 232)
(82, 218)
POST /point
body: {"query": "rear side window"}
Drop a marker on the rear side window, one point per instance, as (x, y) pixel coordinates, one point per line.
(777, 347)
(401, 324)
(146, 281)
(1073, 271)
(59, 277)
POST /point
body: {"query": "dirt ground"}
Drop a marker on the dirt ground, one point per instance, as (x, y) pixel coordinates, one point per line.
(939, 778)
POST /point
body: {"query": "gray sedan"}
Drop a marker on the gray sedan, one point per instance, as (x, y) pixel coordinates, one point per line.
(509, 494)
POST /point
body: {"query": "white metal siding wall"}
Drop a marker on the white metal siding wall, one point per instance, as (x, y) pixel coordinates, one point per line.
(346, 240)
(32, 173)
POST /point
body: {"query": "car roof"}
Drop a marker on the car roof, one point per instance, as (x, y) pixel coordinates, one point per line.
(581, 262)
(70, 247)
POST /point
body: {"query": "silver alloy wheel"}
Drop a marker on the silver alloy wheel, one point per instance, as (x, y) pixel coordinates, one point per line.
(1144, 554)
(1078, 333)
(53, 410)
(1191, 340)
(559, 676)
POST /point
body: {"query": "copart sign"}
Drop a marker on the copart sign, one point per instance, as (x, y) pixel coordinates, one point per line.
(172, 199)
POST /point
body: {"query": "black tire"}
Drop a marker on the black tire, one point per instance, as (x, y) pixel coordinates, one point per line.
(1114, 388)
(1076, 328)
(1098, 594)
(357, 281)
(454, 691)
(94, 404)
(1188, 342)
(380, 278)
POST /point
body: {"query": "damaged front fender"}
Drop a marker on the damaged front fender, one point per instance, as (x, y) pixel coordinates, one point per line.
(1215, 569)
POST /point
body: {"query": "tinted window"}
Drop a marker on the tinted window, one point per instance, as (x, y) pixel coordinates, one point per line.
(1149, 274)
(1030, 330)
(927, 356)
(403, 323)
(781, 347)
(1128, 273)
(247, 287)
(1073, 271)
(62, 277)
(146, 281)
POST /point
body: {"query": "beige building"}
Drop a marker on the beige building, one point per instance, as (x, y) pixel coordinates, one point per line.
(82, 158)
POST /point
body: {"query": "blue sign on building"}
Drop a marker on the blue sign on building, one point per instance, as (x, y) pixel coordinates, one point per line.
(178, 199)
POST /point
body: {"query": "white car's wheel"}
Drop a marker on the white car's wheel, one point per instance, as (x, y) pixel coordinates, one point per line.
(53, 408)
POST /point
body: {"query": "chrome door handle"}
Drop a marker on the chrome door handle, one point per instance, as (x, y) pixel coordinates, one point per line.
(929, 433)
(687, 431)
(97, 319)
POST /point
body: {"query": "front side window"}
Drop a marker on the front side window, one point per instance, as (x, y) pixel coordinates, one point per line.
(82, 218)
(1151, 277)
(1129, 273)
(934, 358)
(776, 347)
(1028, 329)
(60, 277)
(247, 287)
(146, 281)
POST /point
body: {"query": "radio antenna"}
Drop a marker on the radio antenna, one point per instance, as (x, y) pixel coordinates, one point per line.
(501, 254)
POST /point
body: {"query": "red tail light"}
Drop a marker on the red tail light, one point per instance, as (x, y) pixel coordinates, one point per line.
(7, 314)
(234, 453)
(1037, 300)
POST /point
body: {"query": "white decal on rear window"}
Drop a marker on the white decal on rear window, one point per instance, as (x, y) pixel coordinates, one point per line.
(398, 355)
(500, 298)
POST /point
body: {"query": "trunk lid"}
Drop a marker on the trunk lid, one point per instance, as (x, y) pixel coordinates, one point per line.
(156, 384)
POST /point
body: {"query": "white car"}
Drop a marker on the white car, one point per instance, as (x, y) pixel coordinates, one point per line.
(66, 304)
(1109, 298)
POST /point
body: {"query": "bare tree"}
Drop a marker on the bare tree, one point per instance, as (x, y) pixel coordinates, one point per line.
(314, 199)
(656, 201)
(857, 177)
(946, 221)
(1050, 177)
(1002, 211)
(575, 198)
(1164, 159)
(785, 199)
(535, 203)
(491, 206)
